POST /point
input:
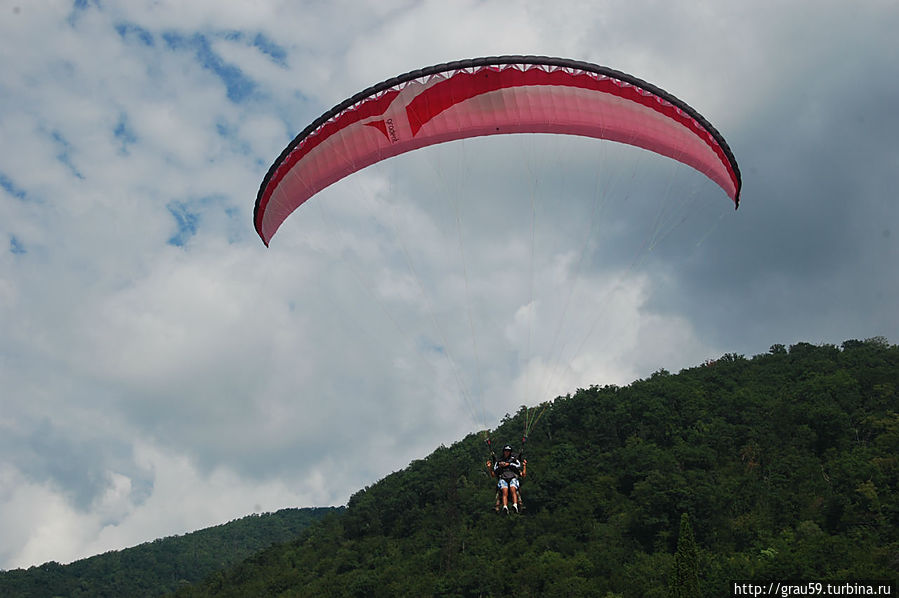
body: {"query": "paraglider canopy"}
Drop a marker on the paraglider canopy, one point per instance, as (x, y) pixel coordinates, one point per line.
(489, 96)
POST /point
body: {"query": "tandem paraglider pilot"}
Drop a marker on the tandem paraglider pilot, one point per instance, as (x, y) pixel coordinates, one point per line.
(507, 469)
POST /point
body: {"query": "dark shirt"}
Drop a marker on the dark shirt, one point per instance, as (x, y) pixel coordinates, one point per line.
(510, 471)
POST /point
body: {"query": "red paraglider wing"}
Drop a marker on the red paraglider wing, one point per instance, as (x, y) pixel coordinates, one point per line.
(489, 96)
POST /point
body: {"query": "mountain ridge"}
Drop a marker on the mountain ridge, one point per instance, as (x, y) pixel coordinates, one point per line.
(158, 566)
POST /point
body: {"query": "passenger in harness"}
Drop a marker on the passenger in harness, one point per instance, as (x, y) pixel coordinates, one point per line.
(507, 470)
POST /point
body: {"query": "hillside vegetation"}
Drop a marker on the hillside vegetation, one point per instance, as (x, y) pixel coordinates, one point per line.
(161, 566)
(785, 463)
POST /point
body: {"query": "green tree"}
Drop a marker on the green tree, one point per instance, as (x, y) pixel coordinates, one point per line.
(684, 581)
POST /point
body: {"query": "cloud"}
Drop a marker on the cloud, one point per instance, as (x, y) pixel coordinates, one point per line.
(801, 250)
(41, 524)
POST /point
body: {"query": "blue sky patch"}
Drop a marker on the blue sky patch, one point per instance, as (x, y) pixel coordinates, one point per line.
(265, 45)
(79, 6)
(64, 155)
(427, 345)
(239, 86)
(209, 210)
(130, 32)
(187, 221)
(261, 42)
(229, 134)
(10, 187)
(15, 246)
(124, 133)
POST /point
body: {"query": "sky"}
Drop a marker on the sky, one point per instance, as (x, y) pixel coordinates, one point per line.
(162, 371)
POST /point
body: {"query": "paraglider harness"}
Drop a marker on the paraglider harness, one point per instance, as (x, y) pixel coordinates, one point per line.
(522, 473)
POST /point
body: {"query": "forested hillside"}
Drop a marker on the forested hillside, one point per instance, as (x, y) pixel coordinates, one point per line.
(161, 566)
(786, 463)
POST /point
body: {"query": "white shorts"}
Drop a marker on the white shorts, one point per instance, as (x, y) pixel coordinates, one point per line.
(506, 483)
